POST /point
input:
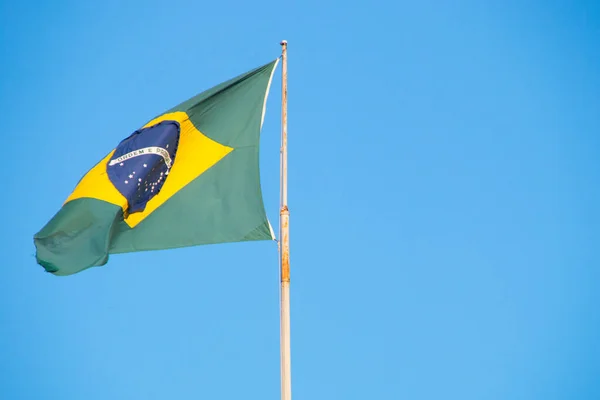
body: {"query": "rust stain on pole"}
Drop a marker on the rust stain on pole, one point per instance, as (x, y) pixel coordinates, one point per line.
(285, 245)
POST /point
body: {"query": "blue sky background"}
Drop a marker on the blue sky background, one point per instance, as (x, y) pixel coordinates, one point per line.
(443, 192)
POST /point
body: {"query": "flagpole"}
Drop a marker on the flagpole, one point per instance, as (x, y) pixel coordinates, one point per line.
(284, 215)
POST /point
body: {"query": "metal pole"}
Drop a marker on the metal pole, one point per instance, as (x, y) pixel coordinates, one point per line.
(284, 216)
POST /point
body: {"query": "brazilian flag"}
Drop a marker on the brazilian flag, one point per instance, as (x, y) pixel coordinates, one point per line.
(189, 176)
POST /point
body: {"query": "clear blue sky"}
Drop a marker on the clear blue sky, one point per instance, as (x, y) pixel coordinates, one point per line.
(444, 170)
